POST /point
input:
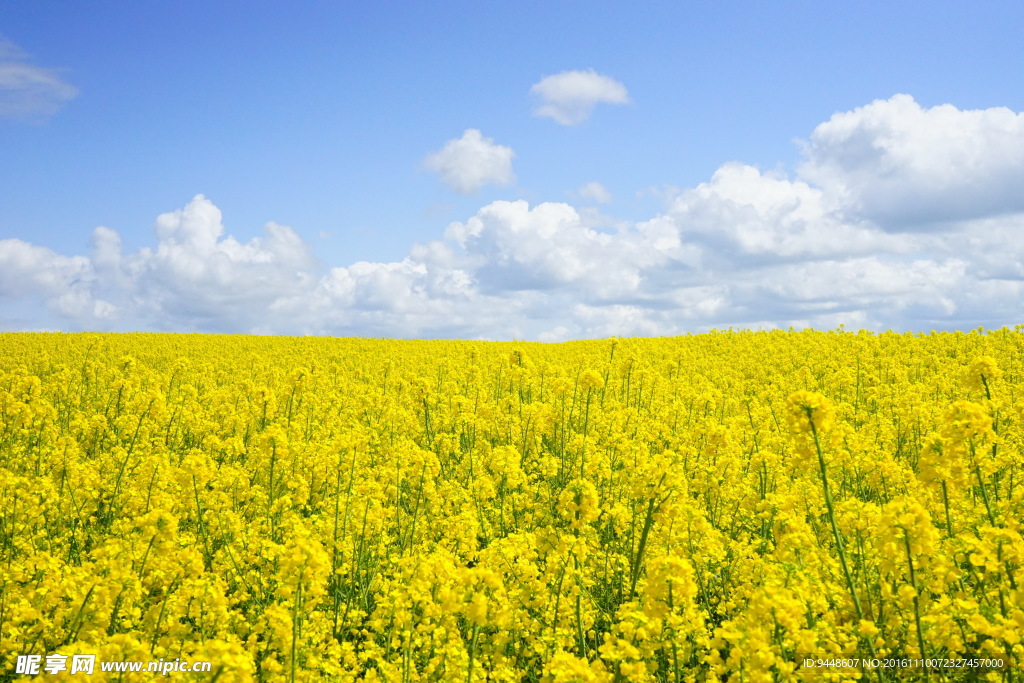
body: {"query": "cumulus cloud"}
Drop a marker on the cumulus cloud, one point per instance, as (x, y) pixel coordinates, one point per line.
(65, 284)
(194, 279)
(28, 91)
(745, 215)
(472, 161)
(569, 97)
(900, 164)
(514, 247)
(746, 248)
(197, 275)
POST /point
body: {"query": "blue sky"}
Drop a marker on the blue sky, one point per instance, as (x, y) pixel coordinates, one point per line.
(711, 165)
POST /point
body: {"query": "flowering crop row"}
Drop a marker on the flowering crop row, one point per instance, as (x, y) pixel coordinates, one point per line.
(711, 507)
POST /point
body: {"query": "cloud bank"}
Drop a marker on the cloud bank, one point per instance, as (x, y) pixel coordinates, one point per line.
(569, 97)
(852, 238)
(27, 91)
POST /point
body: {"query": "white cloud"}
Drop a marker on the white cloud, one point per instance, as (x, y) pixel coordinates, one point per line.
(27, 91)
(65, 284)
(827, 285)
(472, 161)
(570, 96)
(194, 279)
(200, 278)
(747, 215)
(902, 165)
(745, 249)
(595, 192)
(548, 248)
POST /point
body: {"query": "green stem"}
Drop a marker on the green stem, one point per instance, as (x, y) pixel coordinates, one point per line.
(917, 603)
(472, 654)
(835, 531)
(945, 503)
(832, 516)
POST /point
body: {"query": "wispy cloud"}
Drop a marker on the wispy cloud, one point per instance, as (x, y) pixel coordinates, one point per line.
(595, 192)
(570, 96)
(29, 92)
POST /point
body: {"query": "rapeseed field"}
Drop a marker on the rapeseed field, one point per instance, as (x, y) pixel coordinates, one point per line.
(734, 506)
